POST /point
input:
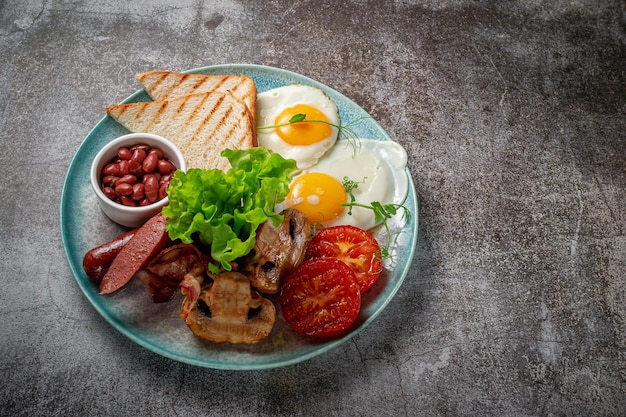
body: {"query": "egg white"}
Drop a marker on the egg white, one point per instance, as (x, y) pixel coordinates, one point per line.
(379, 169)
(272, 102)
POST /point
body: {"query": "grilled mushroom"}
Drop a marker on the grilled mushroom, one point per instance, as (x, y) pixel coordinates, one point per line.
(277, 251)
(228, 310)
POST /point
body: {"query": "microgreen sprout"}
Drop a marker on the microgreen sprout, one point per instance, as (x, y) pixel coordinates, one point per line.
(382, 212)
(345, 130)
(297, 118)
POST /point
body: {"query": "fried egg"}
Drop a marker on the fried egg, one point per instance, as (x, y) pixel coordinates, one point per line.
(305, 142)
(377, 168)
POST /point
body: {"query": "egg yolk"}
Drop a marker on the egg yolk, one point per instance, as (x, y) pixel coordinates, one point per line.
(319, 196)
(302, 133)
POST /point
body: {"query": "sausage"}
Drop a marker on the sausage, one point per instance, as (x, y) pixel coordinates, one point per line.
(148, 241)
(96, 262)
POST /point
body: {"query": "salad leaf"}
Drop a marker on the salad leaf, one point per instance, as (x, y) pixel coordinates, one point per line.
(224, 209)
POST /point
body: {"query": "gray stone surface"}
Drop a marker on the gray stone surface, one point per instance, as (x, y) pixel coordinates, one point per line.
(514, 117)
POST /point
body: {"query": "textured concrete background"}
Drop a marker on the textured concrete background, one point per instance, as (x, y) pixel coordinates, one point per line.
(514, 117)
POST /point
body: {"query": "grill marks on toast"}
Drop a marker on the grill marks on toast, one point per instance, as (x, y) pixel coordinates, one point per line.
(132, 113)
(202, 114)
(167, 85)
(187, 125)
(222, 122)
(158, 114)
(236, 87)
(201, 125)
(184, 84)
(197, 86)
(207, 122)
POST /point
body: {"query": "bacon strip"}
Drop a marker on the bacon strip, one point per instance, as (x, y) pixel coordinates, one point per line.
(164, 273)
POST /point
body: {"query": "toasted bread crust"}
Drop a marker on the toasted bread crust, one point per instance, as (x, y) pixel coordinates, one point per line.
(201, 125)
(168, 85)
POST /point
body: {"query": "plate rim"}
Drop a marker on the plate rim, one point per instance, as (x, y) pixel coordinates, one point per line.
(322, 347)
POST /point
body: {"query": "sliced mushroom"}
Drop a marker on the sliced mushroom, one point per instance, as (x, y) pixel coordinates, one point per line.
(228, 310)
(277, 251)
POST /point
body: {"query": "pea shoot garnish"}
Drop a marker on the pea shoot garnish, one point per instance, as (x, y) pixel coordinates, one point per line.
(382, 212)
(299, 118)
(346, 130)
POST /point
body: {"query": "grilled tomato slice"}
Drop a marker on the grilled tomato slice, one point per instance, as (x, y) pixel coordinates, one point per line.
(354, 246)
(320, 298)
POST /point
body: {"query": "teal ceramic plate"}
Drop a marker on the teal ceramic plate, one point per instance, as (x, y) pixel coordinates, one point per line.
(157, 327)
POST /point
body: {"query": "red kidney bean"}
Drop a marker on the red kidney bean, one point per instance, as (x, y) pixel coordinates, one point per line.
(128, 179)
(123, 164)
(154, 175)
(110, 193)
(145, 148)
(137, 175)
(138, 192)
(165, 167)
(111, 169)
(124, 153)
(127, 201)
(165, 179)
(124, 189)
(150, 163)
(158, 153)
(151, 188)
(139, 155)
(110, 180)
(135, 168)
(162, 191)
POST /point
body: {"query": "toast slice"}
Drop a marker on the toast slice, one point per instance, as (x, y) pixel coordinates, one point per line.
(167, 85)
(201, 125)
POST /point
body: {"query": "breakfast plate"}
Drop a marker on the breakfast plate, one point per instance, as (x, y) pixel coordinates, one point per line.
(157, 327)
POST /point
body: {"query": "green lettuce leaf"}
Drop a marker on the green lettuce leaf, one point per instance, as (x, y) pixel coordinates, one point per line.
(224, 209)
